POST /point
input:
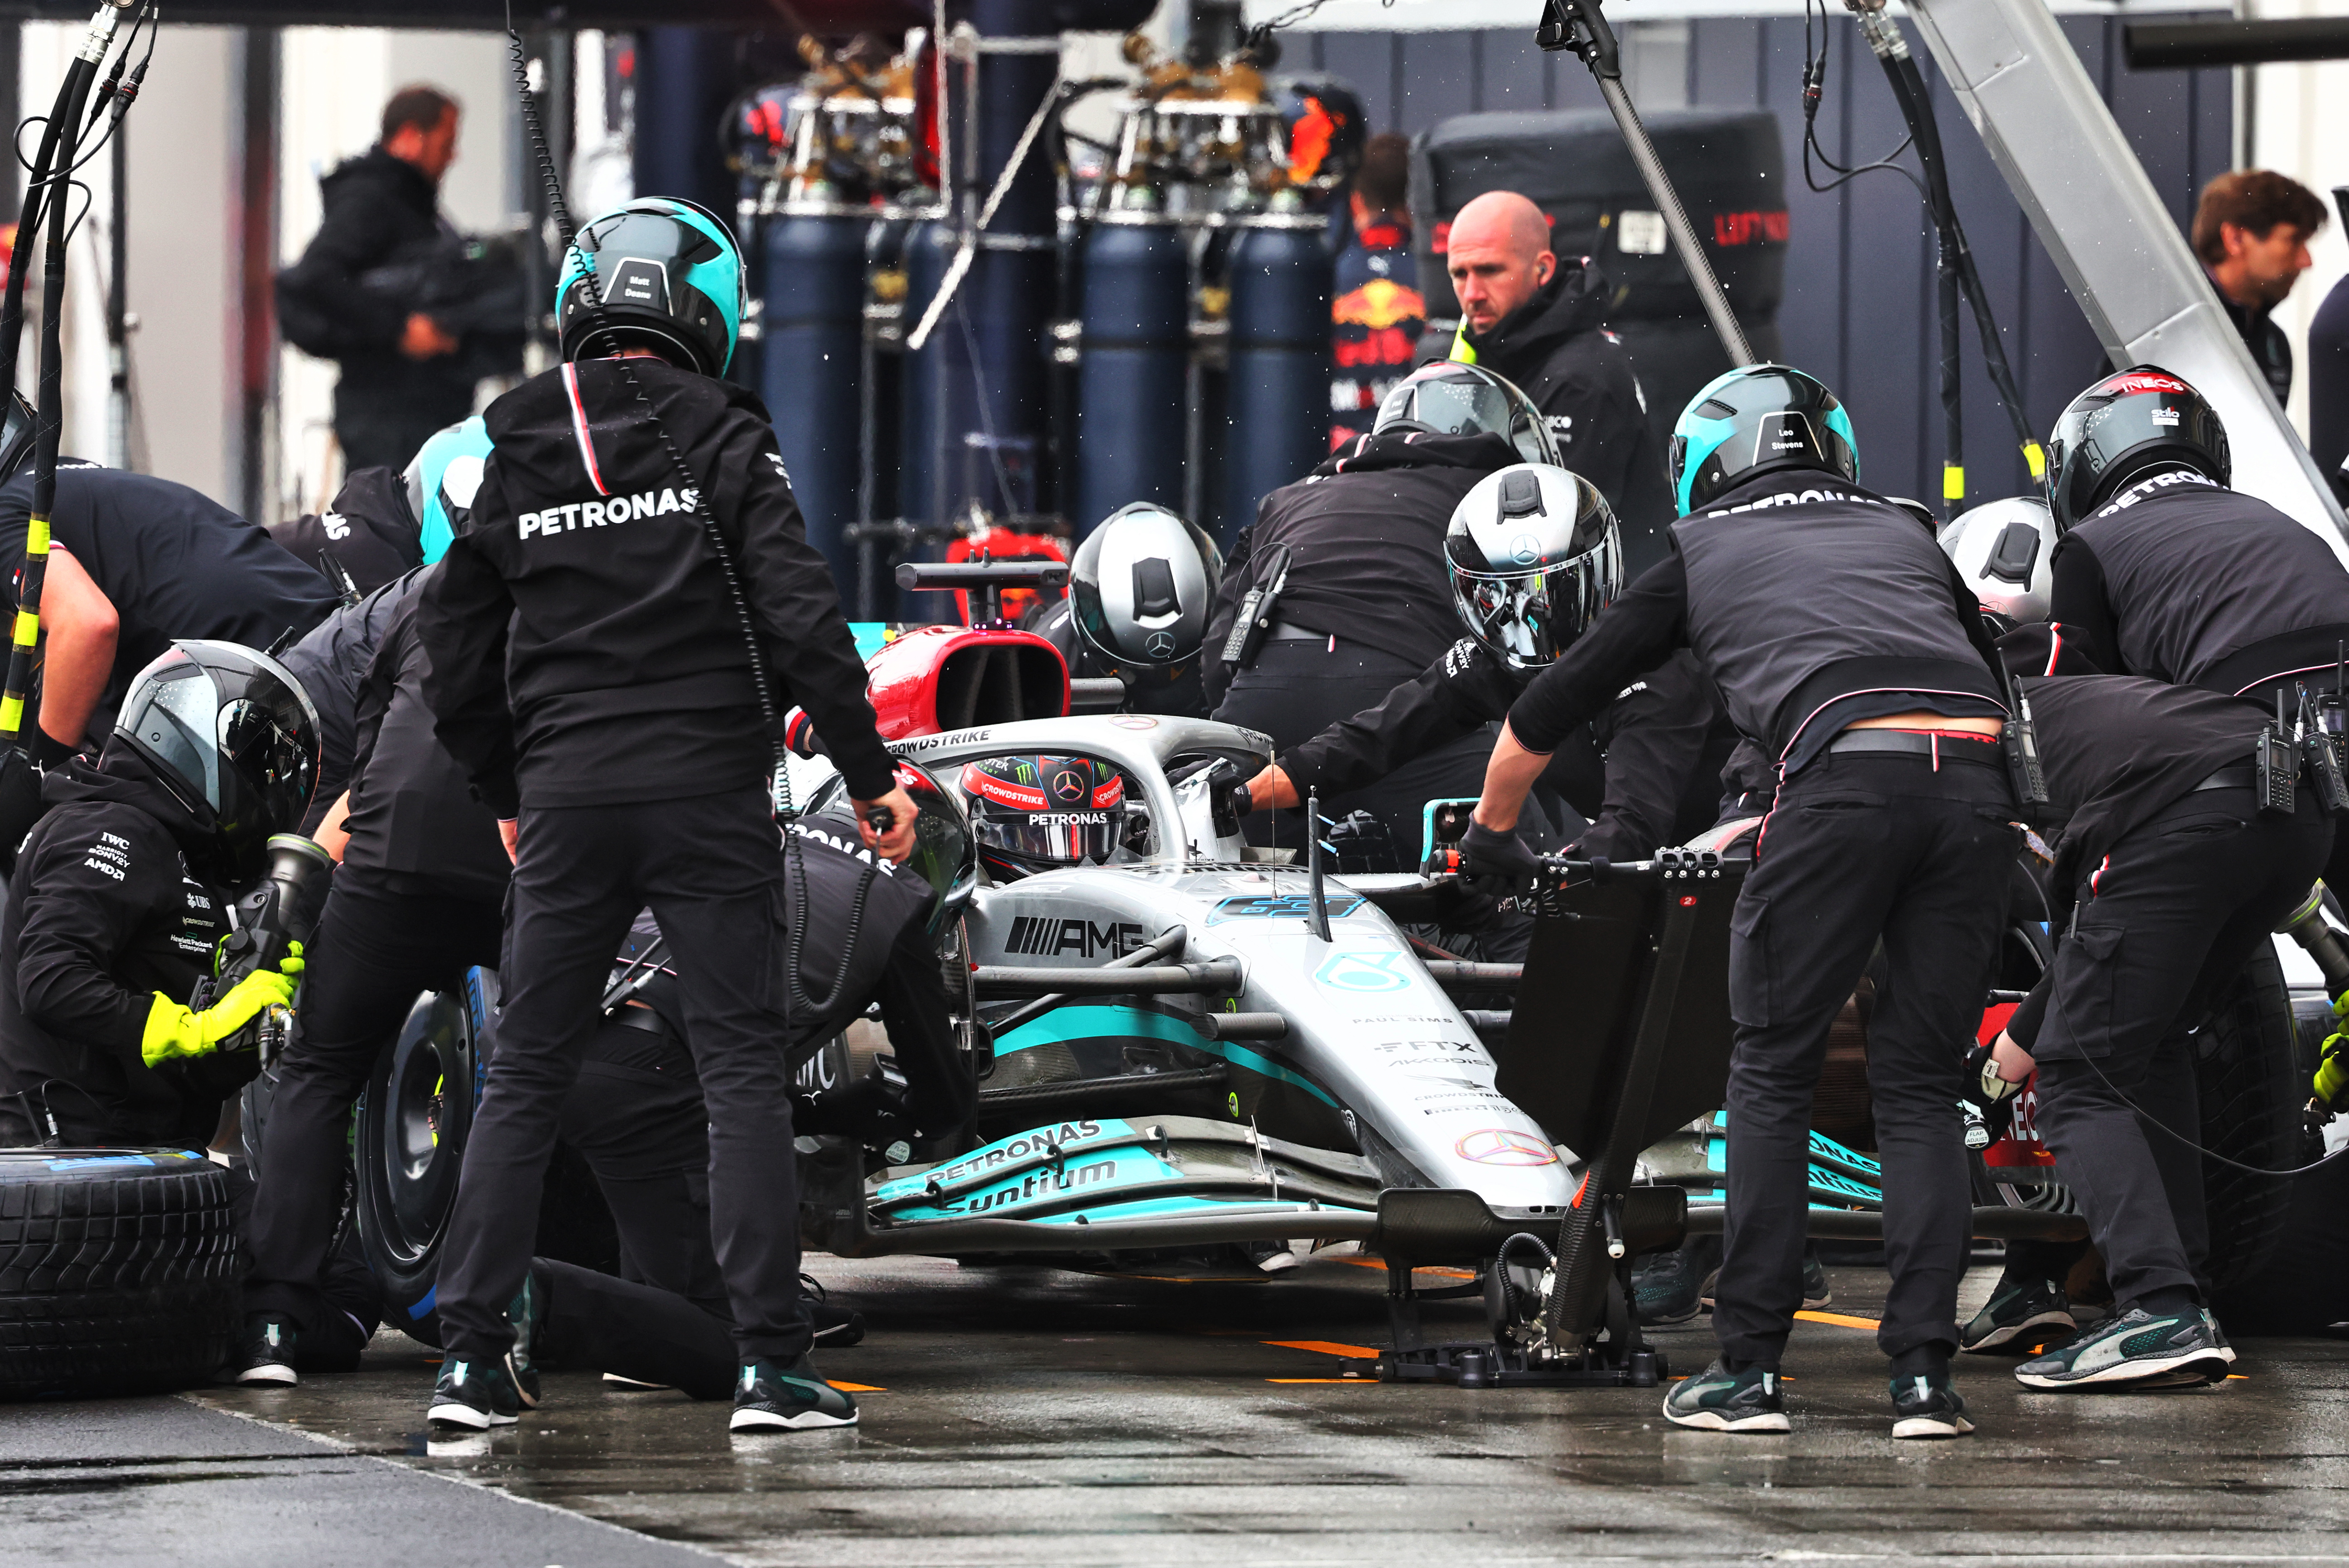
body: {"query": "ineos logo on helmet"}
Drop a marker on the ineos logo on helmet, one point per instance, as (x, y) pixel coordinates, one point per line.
(2145, 422)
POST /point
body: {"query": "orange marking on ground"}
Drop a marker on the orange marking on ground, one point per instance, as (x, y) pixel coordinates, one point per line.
(855, 1387)
(1320, 1380)
(1838, 1319)
(1326, 1347)
(1424, 1269)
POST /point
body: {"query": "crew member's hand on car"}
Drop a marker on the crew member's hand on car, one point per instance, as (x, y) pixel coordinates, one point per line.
(899, 842)
(1495, 861)
(174, 1030)
(1271, 788)
(423, 339)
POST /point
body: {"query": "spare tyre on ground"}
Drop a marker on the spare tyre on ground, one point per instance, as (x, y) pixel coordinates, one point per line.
(117, 1270)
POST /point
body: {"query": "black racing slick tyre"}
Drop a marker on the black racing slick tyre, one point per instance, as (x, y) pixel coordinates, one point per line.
(117, 1270)
(2250, 1106)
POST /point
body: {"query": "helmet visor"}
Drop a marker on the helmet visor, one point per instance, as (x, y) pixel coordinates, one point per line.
(262, 744)
(1532, 616)
(176, 725)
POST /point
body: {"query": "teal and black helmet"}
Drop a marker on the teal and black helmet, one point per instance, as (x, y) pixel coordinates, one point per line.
(671, 276)
(442, 478)
(1755, 421)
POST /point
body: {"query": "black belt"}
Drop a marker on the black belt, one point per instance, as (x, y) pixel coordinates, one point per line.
(1946, 746)
(2230, 778)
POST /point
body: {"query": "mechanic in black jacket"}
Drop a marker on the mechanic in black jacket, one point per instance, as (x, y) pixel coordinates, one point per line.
(122, 894)
(1645, 772)
(2168, 876)
(2164, 572)
(1842, 639)
(1541, 322)
(332, 665)
(135, 564)
(366, 538)
(586, 664)
(1367, 604)
(402, 375)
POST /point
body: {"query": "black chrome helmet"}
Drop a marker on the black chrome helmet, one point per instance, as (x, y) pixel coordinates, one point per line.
(233, 735)
(1033, 813)
(1143, 583)
(16, 437)
(2129, 425)
(1535, 555)
(671, 277)
(1757, 420)
(2002, 550)
(1447, 398)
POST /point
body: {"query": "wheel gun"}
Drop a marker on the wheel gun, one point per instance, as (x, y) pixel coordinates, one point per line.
(277, 913)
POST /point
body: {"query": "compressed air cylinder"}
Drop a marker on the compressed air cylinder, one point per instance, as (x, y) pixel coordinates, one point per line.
(1130, 380)
(814, 289)
(1276, 427)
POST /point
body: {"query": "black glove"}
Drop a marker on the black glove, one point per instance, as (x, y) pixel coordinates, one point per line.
(1991, 1095)
(1496, 863)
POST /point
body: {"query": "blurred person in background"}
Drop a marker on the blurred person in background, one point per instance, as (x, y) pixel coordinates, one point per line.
(2251, 231)
(403, 377)
(1376, 315)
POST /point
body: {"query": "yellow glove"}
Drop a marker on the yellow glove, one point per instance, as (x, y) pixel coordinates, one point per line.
(2332, 1085)
(174, 1030)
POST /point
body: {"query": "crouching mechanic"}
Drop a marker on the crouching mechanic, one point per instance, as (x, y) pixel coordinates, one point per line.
(2168, 873)
(586, 662)
(386, 521)
(1844, 643)
(1535, 555)
(116, 911)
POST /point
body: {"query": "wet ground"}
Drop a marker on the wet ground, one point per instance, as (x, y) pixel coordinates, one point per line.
(1029, 1416)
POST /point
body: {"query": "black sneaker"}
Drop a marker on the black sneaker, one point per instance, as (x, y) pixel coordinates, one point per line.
(1719, 1400)
(526, 1312)
(2020, 1316)
(771, 1398)
(1928, 1408)
(1816, 1293)
(2134, 1347)
(836, 1328)
(474, 1395)
(267, 1357)
(1665, 1287)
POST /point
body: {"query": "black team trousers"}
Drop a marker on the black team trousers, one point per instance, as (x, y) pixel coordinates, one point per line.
(710, 868)
(1861, 846)
(381, 940)
(2171, 917)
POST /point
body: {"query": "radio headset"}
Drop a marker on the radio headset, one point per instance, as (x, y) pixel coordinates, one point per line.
(881, 820)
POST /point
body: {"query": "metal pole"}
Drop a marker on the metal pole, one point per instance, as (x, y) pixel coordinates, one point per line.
(1576, 27)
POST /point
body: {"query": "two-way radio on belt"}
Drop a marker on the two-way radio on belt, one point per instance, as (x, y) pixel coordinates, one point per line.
(880, 818)
(50, 178)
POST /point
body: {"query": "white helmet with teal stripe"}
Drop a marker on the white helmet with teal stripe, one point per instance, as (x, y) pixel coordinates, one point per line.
(671, 279)
(1755, 421)
(442, 478)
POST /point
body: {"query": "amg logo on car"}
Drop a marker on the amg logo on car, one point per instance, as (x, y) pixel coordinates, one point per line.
(1043, 1182)
(1041, 936)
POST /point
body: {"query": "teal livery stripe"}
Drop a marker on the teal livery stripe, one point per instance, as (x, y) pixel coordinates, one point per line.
(1066, 1023)
(1143, 1209)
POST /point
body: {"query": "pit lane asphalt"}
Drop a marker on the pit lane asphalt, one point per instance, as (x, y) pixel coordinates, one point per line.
(1022, 1416)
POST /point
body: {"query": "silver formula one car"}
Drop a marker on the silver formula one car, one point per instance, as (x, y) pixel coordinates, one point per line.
(1188, 1046)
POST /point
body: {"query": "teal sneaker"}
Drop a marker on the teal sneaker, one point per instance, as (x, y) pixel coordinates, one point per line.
(773, 1397)
(475, 1395)
(2136, 1347)
(2020, 1316)
(1719, 1400)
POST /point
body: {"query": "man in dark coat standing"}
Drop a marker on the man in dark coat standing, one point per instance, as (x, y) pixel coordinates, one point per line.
(402, 376)
(1541, 323)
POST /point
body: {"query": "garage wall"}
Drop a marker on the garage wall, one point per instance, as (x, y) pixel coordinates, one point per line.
(1859, 309)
